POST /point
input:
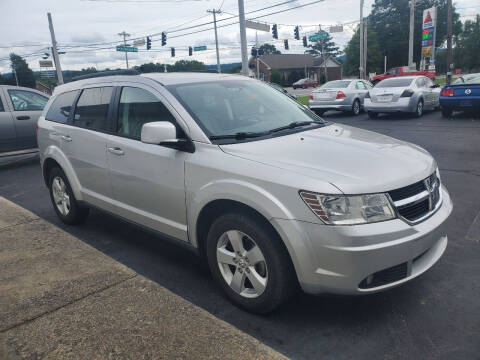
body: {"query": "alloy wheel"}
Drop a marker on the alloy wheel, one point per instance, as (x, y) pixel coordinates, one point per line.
(242, 264)
(60, 195)
(420, 109)
(356, 107)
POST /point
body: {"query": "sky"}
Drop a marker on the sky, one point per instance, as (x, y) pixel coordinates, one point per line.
(82, 28)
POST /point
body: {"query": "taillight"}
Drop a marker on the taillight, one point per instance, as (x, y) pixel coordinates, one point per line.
(407, 93)
(340, 94)
(311, 96)
(447, 92)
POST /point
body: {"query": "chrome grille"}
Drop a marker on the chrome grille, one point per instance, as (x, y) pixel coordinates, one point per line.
(417, 201)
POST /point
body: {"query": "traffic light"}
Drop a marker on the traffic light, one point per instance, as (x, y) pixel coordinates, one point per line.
(305, 41)
(285, 43)
(190, 51)
(173, 51)
(149, 43)
(297, 33)
(164, 38)
(275, 31)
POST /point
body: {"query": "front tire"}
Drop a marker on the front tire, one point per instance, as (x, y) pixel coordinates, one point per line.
(63, 199)
(248, 261)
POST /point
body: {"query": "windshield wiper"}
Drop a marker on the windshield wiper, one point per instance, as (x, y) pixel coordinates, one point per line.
(293, 125)
(239, 135)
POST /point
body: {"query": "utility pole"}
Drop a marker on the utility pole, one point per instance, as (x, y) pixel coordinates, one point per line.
(54, 50)
(125, 35)
(412, 28)
(243, 37)
(449, 41)
(214, 12)
(361, 68)
(365, 47)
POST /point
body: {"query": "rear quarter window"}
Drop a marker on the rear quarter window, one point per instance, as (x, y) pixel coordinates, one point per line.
(60, 109)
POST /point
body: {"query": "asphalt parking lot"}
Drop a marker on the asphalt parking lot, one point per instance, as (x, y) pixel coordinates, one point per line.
(436, 316)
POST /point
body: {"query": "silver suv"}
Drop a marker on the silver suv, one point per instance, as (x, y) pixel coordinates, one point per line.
(270, 194)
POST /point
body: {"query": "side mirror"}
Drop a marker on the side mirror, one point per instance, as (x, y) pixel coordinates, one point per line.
(158, 132)
(164, 133)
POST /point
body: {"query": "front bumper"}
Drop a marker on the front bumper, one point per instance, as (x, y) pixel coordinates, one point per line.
(339, 259)
(406, 104)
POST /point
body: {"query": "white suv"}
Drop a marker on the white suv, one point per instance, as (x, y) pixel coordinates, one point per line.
(269, 193)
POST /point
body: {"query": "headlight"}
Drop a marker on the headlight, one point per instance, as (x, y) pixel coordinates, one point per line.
(349, 210)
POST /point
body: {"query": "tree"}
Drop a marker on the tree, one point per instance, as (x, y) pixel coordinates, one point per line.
(329, 47)
(189, 65)
(269, 49)
(391, 21)
(352, 54)
(24, 73)
(468, 46)
(276, 77)
(4, 80)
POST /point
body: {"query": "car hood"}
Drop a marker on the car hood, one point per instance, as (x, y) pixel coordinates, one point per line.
(354, 160)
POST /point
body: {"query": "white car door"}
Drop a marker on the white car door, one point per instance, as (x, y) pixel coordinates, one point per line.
(148, 179)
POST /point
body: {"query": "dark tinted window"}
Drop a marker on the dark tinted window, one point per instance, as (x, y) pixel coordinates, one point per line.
(1, 106)
(138, 107)
(26, 100)
(61, 107)
(92, 109)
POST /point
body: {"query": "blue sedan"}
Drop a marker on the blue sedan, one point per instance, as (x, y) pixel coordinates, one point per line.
(463, 94)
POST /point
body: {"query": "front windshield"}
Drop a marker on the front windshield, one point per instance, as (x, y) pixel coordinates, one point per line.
(230, 107)
(338, 84)
(398, 82)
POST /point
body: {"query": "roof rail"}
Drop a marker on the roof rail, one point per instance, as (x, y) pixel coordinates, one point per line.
(105, 73)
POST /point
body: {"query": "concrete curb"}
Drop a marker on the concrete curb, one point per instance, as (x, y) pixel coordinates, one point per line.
(62, 299)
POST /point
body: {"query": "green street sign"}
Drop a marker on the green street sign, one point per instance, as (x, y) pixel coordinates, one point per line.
(318, 36)
(200, 48)
(127, 48)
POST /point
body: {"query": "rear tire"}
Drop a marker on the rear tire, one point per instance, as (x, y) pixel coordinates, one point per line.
(230, 242)
(419, 109)
(446, 113)
(372, 115)
(63, 199)
(355, 107)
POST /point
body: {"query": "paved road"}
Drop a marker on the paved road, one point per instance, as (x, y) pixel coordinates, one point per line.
(436, 316)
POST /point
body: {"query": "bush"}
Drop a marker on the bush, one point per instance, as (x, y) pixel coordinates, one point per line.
(276, 77)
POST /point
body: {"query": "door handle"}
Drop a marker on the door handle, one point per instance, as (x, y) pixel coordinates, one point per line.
(66, 138)
(116, 150)
(23, 117)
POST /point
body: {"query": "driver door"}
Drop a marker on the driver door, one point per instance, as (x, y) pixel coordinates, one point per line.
(148, 180)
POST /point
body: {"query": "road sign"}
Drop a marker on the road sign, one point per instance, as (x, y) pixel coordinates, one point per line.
(46, 63)
(139, 42)
(127, 48)
(336, 29)
(257, 26)
(428, 33)
(318, 36)
(47, 74)
(429, 17)
(200, 48)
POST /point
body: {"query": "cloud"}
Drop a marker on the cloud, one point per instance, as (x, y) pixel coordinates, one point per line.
(87, 38)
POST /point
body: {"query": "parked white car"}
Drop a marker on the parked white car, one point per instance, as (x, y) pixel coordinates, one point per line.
(408, 94)
(270, 194)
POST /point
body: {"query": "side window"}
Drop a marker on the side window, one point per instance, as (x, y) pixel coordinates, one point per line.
(368, 85)
(61, 107)
(1, 106)
(361, 85)
(137, 107)
(92, 109)
(23, 100)
(428, 83)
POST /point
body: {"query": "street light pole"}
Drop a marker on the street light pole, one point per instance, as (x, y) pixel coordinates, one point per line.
(214, 12)
(243, 37)
(124, 34)
(54, 50)
(412, 27)
(449, 41)
(361, 69)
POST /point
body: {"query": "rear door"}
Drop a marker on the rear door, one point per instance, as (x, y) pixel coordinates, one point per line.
(27, 106)
(7, 127)
(84, 142)
(361, 90)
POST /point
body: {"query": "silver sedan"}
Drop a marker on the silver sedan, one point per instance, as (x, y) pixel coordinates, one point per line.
(409, 94)
(340, 95)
